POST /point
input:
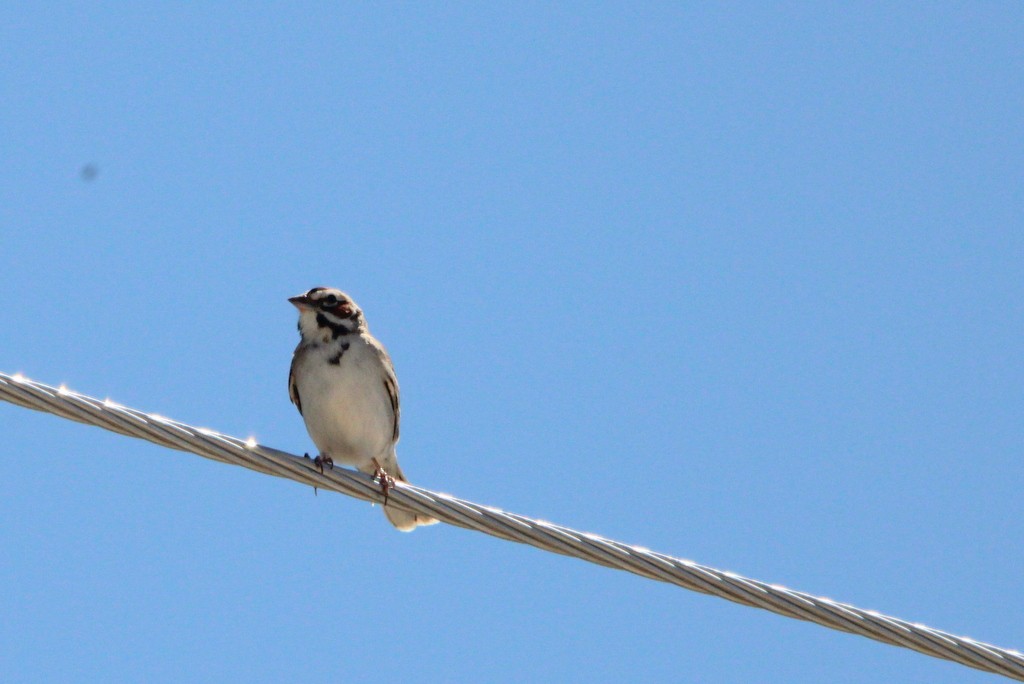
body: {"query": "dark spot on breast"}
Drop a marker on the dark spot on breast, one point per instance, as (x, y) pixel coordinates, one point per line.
(336, 359)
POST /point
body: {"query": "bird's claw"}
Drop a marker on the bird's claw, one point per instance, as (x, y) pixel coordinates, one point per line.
(387, 483)
(321, 461)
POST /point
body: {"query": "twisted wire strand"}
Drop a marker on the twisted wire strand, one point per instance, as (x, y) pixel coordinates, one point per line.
(512, 527)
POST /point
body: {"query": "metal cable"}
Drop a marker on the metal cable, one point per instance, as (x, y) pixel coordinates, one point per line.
(543, 535)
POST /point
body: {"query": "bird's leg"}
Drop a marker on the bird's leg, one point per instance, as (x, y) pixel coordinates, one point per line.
(387, 482)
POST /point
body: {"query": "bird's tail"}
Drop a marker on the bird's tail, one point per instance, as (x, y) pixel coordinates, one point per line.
(406, 521)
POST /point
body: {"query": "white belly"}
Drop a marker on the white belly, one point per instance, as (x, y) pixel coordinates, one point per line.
(346, 407)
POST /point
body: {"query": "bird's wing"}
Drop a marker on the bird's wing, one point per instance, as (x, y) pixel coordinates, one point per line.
(390, 381)
(293, 387)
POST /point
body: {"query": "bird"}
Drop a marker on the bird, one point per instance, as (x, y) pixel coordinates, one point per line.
(343, 383)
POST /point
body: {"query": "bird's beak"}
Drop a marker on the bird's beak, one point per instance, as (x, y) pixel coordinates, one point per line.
(301, 302)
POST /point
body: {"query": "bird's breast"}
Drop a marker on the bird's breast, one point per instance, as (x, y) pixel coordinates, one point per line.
(345, 404)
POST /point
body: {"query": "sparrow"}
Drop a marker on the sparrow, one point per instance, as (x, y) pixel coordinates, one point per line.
(344, 385)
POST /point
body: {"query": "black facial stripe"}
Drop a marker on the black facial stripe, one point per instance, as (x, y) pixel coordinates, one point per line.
(337, 330)
(336, 359)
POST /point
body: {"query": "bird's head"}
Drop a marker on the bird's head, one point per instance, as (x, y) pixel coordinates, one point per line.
(325, 312)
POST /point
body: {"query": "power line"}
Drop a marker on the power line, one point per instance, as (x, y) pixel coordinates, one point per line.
(543, 535)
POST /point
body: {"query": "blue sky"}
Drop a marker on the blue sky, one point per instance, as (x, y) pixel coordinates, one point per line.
(742, 284)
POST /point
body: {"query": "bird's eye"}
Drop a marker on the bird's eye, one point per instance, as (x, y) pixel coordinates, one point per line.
(330, 301)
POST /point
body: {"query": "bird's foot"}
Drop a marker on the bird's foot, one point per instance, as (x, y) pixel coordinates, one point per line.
(321, 461)
(306, 456)
(387, 483)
